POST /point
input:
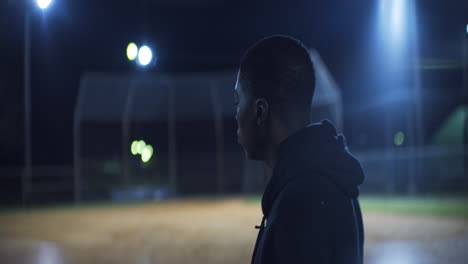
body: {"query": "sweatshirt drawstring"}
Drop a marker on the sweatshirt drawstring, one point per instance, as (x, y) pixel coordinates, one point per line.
(257, 242)
(262, 225)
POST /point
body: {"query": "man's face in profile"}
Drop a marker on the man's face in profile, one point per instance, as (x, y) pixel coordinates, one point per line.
(248, 133)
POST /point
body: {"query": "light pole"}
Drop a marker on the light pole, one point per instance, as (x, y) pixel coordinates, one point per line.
(26, 181)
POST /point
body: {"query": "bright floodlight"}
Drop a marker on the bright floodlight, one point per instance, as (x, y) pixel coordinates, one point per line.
(43, 4)
(397, 22)
(141, 145)
(147, 153)
(132, 51)
(134, 147)
(145, 55)
(466, 28)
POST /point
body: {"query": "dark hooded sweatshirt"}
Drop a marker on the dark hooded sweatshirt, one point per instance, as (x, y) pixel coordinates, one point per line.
(310, 207)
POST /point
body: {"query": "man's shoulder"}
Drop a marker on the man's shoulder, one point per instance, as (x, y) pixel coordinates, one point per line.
(303, 191)
(302, 202)
(309, 192)
(311, 185)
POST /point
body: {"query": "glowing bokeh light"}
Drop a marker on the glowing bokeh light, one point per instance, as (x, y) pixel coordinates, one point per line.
(397, 22)
(43, 4)
(141, 146)
(399, 138)
(393, 22)
(147, 153)
(132, 51)
(145, 55)
(134, 147)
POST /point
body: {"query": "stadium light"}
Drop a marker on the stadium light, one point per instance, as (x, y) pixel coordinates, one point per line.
(134, 147)
(147, 153)
(398, 23)
(141, 146)
(145, 55)
(132, 51)
(142, 55)
(393, 22)
(43, 4)
(466, 28)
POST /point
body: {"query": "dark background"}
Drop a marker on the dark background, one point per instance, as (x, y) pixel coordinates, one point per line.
(72, 37)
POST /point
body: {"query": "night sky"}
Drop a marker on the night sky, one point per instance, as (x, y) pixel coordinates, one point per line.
(76, 36)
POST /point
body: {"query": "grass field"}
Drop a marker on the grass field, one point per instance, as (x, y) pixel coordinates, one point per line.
(432, 206)
(405, 230)
(445, 206)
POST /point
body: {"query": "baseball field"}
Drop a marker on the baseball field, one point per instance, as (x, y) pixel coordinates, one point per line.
(207, 230)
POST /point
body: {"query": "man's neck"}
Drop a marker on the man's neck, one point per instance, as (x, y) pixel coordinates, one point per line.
(271, 156)
(282, 133)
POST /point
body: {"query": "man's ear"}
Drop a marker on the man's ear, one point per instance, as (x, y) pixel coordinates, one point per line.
(261, 111)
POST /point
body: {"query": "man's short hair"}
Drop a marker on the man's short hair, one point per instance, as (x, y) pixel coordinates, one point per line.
(279, 68)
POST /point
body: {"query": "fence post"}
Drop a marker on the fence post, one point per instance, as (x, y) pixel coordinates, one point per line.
(172, 137)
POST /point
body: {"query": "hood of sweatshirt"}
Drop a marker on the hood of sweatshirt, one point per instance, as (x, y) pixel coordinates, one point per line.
(314, 150)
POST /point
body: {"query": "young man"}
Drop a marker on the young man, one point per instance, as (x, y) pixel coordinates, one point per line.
(310, 207)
